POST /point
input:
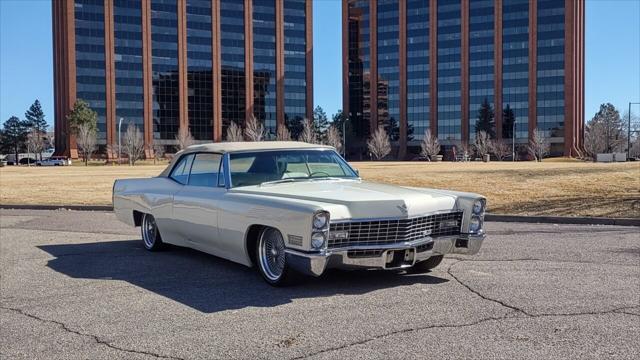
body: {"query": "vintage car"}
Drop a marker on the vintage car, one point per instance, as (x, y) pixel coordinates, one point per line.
(290, 208)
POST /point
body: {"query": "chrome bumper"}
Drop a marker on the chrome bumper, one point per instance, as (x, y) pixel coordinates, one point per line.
(393, 256)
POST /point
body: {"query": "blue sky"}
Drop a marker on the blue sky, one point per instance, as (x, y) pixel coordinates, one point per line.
(612, 55)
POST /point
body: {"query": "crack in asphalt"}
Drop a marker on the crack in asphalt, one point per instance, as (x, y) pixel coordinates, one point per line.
(502, 303)
(522, 311)
(403, 331)
(513, 310)
(95, 338)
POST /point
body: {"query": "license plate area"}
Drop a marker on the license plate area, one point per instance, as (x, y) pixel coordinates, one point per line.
(399, 258)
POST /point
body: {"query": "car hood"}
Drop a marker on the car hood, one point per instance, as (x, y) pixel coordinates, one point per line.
(360, 199)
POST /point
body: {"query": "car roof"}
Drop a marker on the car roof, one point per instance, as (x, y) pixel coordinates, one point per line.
(224, 147)
(230, 147)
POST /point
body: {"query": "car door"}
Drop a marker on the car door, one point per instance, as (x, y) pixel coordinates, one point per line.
(196, 205)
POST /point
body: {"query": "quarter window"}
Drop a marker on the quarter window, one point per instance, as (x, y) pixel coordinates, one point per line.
(180, 172)
(204, 171)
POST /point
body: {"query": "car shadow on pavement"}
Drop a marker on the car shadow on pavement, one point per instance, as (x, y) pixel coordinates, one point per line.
(205, 282)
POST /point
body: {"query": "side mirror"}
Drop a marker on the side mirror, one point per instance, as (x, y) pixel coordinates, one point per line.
(357, 171)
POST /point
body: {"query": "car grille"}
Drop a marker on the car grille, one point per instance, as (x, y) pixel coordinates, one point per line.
(384, 232)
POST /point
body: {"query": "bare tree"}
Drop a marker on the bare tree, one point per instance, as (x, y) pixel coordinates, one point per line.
(133, 144)
(500, 149)
(113, 151)
(430, 147)
(634, 152)
(36, 142)
(283, 133)
(33, 144)
(333, 138)
(308, 134)
(483, 143)
(538, 145)
(158, 152)
(594, 139)
(234, 133)
(184, 138)
(378, 144)
(86, 140)
(466, 150)
(253, 129)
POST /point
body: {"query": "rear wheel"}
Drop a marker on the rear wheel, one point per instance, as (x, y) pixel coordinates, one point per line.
(272, 260)
(427, 265)
(150, 233)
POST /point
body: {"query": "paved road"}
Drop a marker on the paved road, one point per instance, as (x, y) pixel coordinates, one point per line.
(80, 285)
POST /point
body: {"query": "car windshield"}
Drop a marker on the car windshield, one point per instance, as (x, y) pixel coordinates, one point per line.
(255, 168)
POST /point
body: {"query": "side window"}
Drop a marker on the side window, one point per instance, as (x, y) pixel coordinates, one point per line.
(204, 171)
(180, 172)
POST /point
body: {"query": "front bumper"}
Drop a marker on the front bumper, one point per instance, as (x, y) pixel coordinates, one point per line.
(393, 256)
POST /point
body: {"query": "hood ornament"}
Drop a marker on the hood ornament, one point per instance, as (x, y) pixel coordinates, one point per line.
(403, 209)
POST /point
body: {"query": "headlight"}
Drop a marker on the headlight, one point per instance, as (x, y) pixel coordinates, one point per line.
(475, 226)
(320, 220)
(478, 207)
(317, 240)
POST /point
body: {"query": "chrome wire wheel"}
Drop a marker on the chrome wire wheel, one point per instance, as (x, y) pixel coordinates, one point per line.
(149, 231)
(271, 254)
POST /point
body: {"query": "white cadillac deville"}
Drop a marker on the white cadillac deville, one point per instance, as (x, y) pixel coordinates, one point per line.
(290, 208)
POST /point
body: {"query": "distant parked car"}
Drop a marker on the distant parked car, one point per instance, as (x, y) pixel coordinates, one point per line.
(55, 161)
(3, 161)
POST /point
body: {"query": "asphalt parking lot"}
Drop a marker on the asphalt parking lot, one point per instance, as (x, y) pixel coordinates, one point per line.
(80, 285)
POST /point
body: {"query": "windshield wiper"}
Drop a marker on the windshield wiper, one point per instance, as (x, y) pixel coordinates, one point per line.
(326, 178)
(282, 181)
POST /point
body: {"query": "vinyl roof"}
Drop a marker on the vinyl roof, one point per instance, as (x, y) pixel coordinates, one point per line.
(224, 147)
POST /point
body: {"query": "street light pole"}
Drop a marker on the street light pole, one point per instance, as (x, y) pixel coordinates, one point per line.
(629, 130)
(344, 138)
(119, 127)
(513, 141)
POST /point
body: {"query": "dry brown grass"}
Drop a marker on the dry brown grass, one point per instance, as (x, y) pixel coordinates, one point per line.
(550, 188)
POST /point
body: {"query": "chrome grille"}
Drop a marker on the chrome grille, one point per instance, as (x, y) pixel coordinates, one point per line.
(383, 232)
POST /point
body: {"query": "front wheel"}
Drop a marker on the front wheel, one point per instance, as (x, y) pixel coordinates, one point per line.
(272, 260)
(427, 265)
(150, 233)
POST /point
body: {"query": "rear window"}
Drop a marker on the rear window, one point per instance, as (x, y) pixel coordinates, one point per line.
(204, 170)
(180, 172)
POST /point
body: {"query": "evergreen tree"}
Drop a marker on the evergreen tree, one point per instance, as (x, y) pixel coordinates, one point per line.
(485, 120)
(612, 128)
(394, 130)
(294, 125)
(14, 135)
(35, 117)
(82, 114)
(320, 123)
(508, 118)
(37, 126)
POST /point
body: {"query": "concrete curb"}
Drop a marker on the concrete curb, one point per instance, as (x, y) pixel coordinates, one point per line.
(488, 217)
(563, 220)
(59, 207)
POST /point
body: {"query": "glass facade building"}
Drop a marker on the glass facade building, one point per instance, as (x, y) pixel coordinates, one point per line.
(164, 62)
(264, 64)
(90, 59)
(433, 63)
(166, 65)
(295, 62)
(129, 83)
(200, 69)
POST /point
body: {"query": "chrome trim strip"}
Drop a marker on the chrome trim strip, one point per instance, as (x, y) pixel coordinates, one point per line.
(438, 212)
(397, 245)
(227, 171)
